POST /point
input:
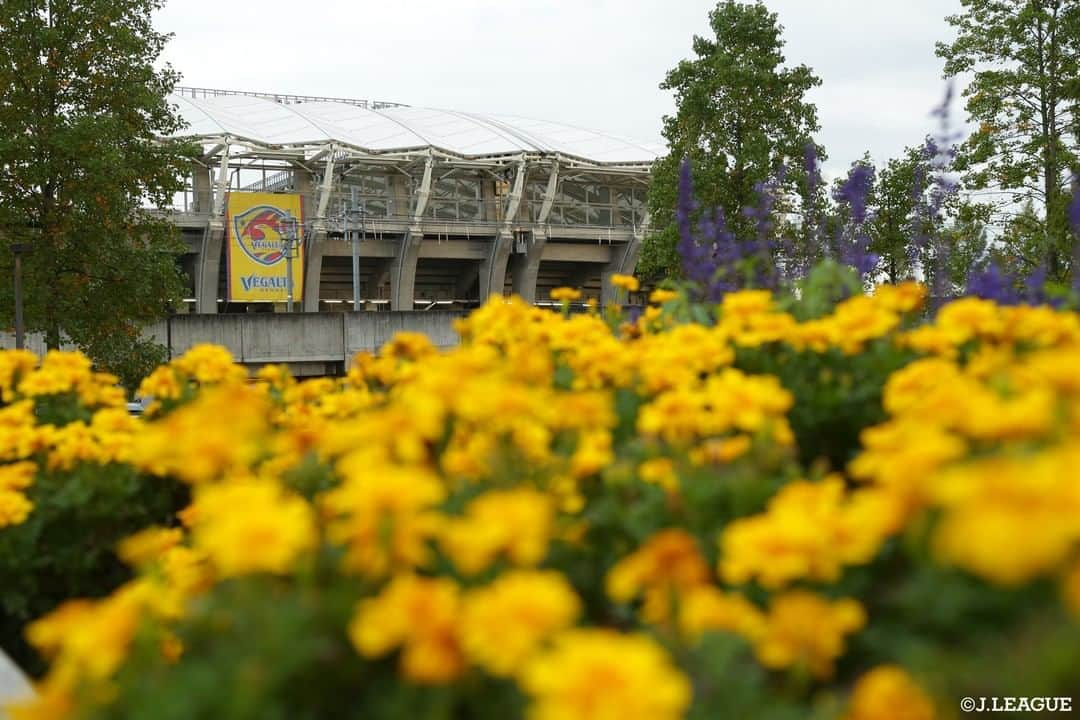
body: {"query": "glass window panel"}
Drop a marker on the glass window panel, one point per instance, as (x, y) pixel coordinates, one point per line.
(574, 214)
(624, 198)
(444, 210)
(573, 191)
(599, 215)
(626, 217)
(376, 206)
(599, 194)
(468, 211)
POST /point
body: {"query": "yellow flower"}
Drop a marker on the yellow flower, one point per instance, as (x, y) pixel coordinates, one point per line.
(802, 629)
(148, 545)
(903, 297)
(384, 514)
(220, 433)
(668, 563)
(809, 531)
(13, 365)
(659, 296)
(420, 616)
(17, 476)
(251, 526)
(209, 364)
(1009, 519)
(504, 623)
(14, 508)
(565, 294)
(626, 282)
(705, 608)
(888, 693)
(661, 472)
(602, 675)
(517, 523)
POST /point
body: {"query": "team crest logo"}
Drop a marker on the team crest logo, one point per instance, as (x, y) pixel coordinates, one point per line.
(259, 233)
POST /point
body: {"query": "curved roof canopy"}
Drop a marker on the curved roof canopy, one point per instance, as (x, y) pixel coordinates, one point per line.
(265, 122)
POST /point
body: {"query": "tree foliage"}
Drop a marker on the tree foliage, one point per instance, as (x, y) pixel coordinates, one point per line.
(82, 108)
(741, 115)
(1025, 59)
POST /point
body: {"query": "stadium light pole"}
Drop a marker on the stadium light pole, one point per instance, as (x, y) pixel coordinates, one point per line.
(355, 241)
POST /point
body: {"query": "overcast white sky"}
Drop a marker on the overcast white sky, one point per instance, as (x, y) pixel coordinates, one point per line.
(592, 63)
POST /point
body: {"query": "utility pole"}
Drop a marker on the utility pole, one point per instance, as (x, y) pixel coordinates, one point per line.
(355, 259)
(289, 232)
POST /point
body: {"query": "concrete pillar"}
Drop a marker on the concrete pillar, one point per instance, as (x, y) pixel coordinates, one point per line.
(493, 268)
(209, 267)
(623, 261)
(202, 182)
(403, 270)
(524, 267)
(313, 270)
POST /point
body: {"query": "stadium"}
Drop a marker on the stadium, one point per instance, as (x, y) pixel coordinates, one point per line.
(443, 208)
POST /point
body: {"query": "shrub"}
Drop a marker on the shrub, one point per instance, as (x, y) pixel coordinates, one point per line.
(570, 513)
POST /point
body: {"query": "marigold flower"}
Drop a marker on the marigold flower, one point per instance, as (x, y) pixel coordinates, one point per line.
(804, 629)
(808, 531)
(504, 623)
(251, 526)
(626, 282)
(669, 562)
(515, 523)
(565, 294)
(888, 693)
(148, 545)
(419, 615)
(600, 674)
(659, 296)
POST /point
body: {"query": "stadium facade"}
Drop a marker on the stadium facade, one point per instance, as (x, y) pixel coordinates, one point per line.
(452, 206)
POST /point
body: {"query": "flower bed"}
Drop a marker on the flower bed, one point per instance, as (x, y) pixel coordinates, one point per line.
(741, 510)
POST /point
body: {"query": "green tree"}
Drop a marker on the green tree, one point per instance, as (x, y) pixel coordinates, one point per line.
(741, 116)
(82, 111)
(892, 228)
(1025, 57)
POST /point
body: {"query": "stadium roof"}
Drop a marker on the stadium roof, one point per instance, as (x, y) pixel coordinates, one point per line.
(266, 121)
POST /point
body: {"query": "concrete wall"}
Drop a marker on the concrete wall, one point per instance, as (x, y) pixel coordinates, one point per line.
(312, 343)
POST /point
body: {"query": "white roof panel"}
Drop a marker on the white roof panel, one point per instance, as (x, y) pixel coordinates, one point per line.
(264, 121)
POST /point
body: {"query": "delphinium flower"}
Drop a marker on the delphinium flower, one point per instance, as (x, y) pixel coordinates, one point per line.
(941, 152)
(709, 255)
(762, 246)
(992, 283)
(853, 243)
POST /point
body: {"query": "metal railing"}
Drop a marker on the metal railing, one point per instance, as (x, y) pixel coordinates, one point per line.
(284, 98)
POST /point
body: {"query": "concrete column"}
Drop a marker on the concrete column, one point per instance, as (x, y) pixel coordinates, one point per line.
(209, 268)
(202, 188)
(623, 261)
(313, 270)
(493, 268)
(524, 267)
(403, 270)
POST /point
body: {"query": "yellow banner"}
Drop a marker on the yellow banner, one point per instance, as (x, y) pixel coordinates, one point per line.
(256, 251)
